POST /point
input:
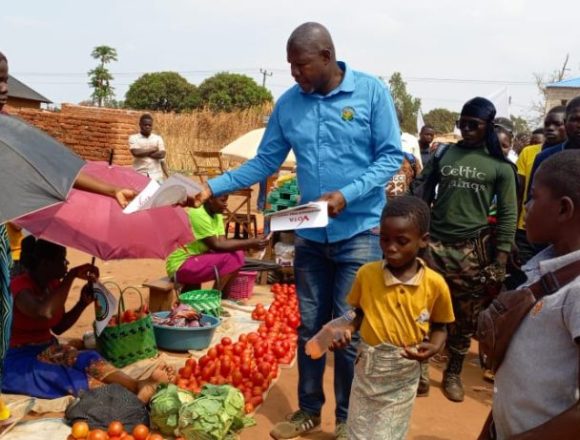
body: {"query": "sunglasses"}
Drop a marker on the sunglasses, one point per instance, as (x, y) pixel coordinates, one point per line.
(468, 124)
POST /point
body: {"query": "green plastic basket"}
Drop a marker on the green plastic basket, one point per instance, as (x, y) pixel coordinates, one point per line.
(126, 343)
(204, 301)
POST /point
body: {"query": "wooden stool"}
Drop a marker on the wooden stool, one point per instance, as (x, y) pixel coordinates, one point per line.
(161, 294)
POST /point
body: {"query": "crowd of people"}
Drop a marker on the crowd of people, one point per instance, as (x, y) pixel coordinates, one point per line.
(419, 240)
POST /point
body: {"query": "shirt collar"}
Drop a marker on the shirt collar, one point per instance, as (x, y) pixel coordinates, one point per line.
(547, 261)
(392, 280)
(346, 85)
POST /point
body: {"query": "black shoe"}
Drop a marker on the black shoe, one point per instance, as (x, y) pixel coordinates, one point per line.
(453, 387)
(423, 388)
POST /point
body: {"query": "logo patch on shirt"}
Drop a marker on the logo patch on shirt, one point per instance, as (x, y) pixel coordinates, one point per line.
(347, 114)
(423, 317)
(537, 308)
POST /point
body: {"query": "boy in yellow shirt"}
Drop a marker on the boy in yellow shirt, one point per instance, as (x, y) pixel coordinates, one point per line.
(399, 303)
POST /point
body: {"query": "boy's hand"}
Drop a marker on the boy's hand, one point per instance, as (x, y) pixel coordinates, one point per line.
(342, 342)
(124, 196)
(424, 351)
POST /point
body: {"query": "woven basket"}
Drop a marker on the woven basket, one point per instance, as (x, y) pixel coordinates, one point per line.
(204, 301)
(130, 342)
(242, 286)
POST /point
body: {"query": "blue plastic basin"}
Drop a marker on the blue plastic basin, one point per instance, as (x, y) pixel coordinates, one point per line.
(185, 338)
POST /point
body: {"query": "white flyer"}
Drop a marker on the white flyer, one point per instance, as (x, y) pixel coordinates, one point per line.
(309, 215)
(174, 190)
(105, 307)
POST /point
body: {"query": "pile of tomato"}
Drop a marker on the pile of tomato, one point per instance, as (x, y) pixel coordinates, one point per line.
(252, 362)
(116, 431)
(129, 315)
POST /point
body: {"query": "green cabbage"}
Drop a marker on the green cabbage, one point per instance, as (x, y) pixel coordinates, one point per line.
(215, 414)
(165, 405)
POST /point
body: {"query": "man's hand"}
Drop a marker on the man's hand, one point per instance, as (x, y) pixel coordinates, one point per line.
(87, 295)
(124, 196)
(260, 243)
(199, 199)
(336, 202)
(423, 352)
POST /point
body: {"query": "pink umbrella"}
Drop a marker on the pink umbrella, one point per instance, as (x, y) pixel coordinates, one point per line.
(97, 225)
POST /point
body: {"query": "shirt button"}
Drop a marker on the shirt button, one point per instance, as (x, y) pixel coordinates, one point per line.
(401, 290)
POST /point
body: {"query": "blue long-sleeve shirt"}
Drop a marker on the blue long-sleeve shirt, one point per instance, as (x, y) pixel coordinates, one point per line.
(348, 140)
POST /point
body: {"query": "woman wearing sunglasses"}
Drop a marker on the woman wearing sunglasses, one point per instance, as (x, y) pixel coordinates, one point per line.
(463, 247)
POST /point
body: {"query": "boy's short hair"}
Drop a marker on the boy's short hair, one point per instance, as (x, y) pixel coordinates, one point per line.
(572, 105)
(410, 207)
(145, 116)
(559, 173)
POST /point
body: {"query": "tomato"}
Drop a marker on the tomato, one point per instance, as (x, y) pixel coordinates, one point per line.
(185, 372)
(128, 437)
(243, 338)
(249, 408)
(191, 362)
(265, 368)
(270, 319)
(253, 337)
(220, 349)
(258, 379)
(155, 437)
(246, 370)
(226, 367)
(237, 378)
(226, 341)
(97, 434)
(257, 391)
(256, 400)
(293, 321)
(212, 353)
(140, 432)
(80, 429)
(115, 428)
(203, 361)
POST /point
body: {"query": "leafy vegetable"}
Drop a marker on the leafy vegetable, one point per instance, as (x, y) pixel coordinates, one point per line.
(165, 406)
(215, 414)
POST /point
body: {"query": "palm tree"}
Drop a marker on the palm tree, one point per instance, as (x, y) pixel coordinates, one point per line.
(100, 77)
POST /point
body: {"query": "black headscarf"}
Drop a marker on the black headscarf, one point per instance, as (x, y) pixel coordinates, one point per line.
(484, 109)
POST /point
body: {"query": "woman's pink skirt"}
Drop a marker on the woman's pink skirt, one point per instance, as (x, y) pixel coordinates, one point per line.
(198, 269)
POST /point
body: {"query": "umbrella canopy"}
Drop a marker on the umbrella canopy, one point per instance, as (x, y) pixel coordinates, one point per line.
(245, 147)
(97, 225)
(36, 170)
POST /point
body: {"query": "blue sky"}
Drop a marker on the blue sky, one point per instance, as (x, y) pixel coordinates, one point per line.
(432, 43)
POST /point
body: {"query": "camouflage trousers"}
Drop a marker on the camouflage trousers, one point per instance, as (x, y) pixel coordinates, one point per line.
(382, 395)
(468, 269)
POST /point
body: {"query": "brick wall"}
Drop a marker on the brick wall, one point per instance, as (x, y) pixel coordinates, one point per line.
(89, 131)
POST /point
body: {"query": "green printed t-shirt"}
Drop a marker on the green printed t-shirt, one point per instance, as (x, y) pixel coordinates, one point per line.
(203, 226)
(470, 179)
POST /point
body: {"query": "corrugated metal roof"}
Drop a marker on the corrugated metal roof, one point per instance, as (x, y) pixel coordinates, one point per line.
(569, 83)
(17, 89)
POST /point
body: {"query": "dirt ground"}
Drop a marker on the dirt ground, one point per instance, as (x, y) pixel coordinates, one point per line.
(434, 417)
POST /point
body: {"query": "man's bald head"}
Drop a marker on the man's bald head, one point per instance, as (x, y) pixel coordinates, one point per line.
(312, 37)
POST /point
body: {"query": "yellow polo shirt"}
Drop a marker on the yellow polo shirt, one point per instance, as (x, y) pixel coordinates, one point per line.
(396, 312)
(524, 165)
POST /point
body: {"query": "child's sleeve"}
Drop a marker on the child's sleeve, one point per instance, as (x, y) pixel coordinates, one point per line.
(571, 310)
(442, 311)
(354, 296)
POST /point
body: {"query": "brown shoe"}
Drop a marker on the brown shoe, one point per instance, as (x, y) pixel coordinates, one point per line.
(453, 387)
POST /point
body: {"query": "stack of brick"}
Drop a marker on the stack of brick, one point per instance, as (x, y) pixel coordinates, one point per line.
(89, 131)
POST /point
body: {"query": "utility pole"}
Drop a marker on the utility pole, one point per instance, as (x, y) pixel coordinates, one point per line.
(264, 73)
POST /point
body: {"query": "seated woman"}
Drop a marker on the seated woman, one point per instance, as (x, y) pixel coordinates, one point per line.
(194, 263)
(36, 364)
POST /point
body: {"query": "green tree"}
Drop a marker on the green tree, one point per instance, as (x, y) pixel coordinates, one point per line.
(441, 119)
(520, 124)
(231, 91)
(100, 78)
(405, 102)
(162, 91)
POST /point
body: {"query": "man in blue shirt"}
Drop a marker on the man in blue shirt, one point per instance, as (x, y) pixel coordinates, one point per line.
(341, 125)
(572, 118)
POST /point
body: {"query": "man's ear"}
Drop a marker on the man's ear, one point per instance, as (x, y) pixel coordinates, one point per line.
(326, 55)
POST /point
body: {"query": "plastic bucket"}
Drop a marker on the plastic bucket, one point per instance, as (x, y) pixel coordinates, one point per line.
(185, 338)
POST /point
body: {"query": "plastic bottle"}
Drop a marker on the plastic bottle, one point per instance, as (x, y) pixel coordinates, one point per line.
(318, 345)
